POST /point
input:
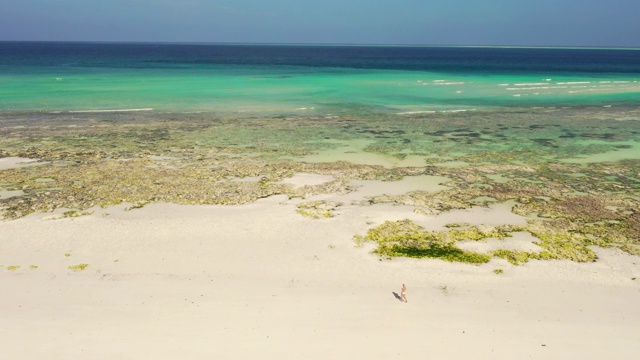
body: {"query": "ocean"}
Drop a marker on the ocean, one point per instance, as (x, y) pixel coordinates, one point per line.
(298, 80)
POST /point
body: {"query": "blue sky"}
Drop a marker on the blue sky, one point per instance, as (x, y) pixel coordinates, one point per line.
(432, 22)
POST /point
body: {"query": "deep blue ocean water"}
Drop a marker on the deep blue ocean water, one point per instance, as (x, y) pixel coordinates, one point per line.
(257, 80)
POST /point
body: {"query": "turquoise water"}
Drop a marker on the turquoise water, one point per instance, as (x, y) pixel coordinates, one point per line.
(79, 80)
(294, 90)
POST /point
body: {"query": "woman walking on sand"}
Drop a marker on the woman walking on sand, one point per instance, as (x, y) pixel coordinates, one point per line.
(403, 293)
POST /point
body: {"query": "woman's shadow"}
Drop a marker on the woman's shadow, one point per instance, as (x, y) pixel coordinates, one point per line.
(397, 296)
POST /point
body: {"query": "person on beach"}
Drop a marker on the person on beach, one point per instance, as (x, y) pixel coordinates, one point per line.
(403, 293)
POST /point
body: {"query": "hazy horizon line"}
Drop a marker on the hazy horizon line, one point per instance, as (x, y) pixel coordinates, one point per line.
(324, 44)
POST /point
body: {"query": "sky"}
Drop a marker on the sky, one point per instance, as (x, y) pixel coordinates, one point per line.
(614, 23)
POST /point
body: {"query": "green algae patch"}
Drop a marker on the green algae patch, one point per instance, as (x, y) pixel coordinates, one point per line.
(404, 238)
(563, 246)
(515, 257)
(631, 249)
(498, 271)
(75, 213)
(456, 225)
(447, 253)
(318, 209)
(78, 267)
(13, 267)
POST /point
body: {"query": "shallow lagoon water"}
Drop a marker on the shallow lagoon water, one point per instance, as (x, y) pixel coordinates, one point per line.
(307, 93)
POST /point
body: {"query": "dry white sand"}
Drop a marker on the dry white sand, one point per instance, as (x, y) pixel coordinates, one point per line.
(260, 281)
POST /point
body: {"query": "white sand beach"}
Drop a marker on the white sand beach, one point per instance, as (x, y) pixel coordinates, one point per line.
(261, 281)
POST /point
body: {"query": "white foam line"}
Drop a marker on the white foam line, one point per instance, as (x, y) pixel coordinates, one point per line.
(457, 111)
(416, 112)
(530, 88)
(574, 82)
(433, 111)
(530, 84)
(115, 110)
(449, 83)
(537, 88)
